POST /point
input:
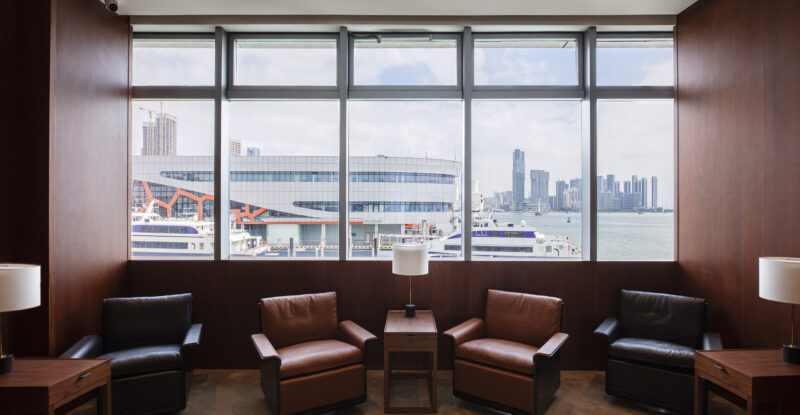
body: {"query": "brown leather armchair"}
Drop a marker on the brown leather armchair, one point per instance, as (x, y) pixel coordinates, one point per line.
(510, 360)
(310, 362)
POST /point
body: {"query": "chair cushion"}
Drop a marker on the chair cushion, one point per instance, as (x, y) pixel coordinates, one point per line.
(316, 356)
(501, 353)
(653, 351)
(671, 318)
(299, 318)
(524, 318)
(144, 360)
(145, 321)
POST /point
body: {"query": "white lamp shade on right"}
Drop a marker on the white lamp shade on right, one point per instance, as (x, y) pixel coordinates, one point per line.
(779, 279)
(20, 286)
(410, 259)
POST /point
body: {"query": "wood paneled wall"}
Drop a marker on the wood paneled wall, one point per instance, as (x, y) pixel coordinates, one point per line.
(226, 295)
(739, 158)
(64, 152)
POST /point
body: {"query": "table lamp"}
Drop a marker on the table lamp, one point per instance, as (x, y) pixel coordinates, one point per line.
(410, 259)
(779, 280)
(20, 289)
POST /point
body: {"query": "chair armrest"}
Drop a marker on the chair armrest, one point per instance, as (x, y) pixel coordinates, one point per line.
(469, 330)
(552, 346)
(264, 347)
(192, 336)
(88, 347)
(354, 334)
(712, 341)
(610, 328)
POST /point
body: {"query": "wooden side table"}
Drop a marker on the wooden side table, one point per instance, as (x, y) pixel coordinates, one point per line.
(44, 385)
(409, 334)
(756, 376)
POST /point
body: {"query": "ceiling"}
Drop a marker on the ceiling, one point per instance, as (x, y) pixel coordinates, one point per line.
(403, 7)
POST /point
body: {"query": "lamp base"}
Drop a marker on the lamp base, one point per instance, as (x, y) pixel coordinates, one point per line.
(411, 310)
(6, 362)
(791, 354)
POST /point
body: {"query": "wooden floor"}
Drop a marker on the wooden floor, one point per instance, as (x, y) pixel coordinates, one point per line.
(238, 392)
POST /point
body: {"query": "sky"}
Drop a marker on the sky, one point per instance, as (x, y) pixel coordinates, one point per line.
(634, 138)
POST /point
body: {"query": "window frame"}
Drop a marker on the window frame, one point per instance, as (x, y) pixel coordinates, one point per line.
(587, 91)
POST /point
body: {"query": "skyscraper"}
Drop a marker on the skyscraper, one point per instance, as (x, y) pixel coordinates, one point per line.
(562, 195)
(518, 178)
(540, 188)
(235, 147)
(654, 198)
(610, 180)
(635, 184)
(577, 195)
(253, 152)
(628, 187)
(160, 137)
(643, 189)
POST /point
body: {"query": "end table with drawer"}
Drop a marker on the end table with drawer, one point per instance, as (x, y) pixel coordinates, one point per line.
(40, 386)
(409, 334)
(759, 378)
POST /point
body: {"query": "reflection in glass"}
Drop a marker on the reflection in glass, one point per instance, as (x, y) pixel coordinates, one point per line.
(405, 167)
(173, 62)
(635, 186)
(418, 61)
(633, 62)
(526, 171)
(282, 155)
(171, 218)
(285, 62)
(526, 62)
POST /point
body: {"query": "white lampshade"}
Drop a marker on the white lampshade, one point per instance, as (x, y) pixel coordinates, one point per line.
(20, 286)
(779, 279)
(410, 259)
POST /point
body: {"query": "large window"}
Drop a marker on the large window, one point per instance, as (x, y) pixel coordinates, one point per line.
(526, 172)
(283, 155)
(172, 216)
(635, 184)
(405, 176)
(485, 146)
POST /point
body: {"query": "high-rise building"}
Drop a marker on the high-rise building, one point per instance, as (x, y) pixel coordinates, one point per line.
(628, 188)
(518, 178)
(540, 188)
(235, 147)
(654, 198)
(610, 183)
(576, 196)
(616, 187)
(643, 189)
(562, 195)
(253, 151)
(160, 136)
(635, 184)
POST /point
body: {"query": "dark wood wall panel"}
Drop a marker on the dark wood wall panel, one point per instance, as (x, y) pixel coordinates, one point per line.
(226, 294)
(63, 189)
(88, 159)
(24, 97)
(739, 146)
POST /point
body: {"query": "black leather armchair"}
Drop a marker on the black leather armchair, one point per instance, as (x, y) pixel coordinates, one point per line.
(650, 348)
(149, 342)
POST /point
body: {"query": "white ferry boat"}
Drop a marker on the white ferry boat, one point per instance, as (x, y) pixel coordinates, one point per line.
(494, 239)
(152, 235)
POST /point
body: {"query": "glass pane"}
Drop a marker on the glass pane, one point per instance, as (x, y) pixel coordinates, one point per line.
(172, 201)
(635, 189)
(526, 62)
(284, 179)
(526, 170)
(627, 62)
(286, 62)
(173, 62)
(405, 62)
(405, 176)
